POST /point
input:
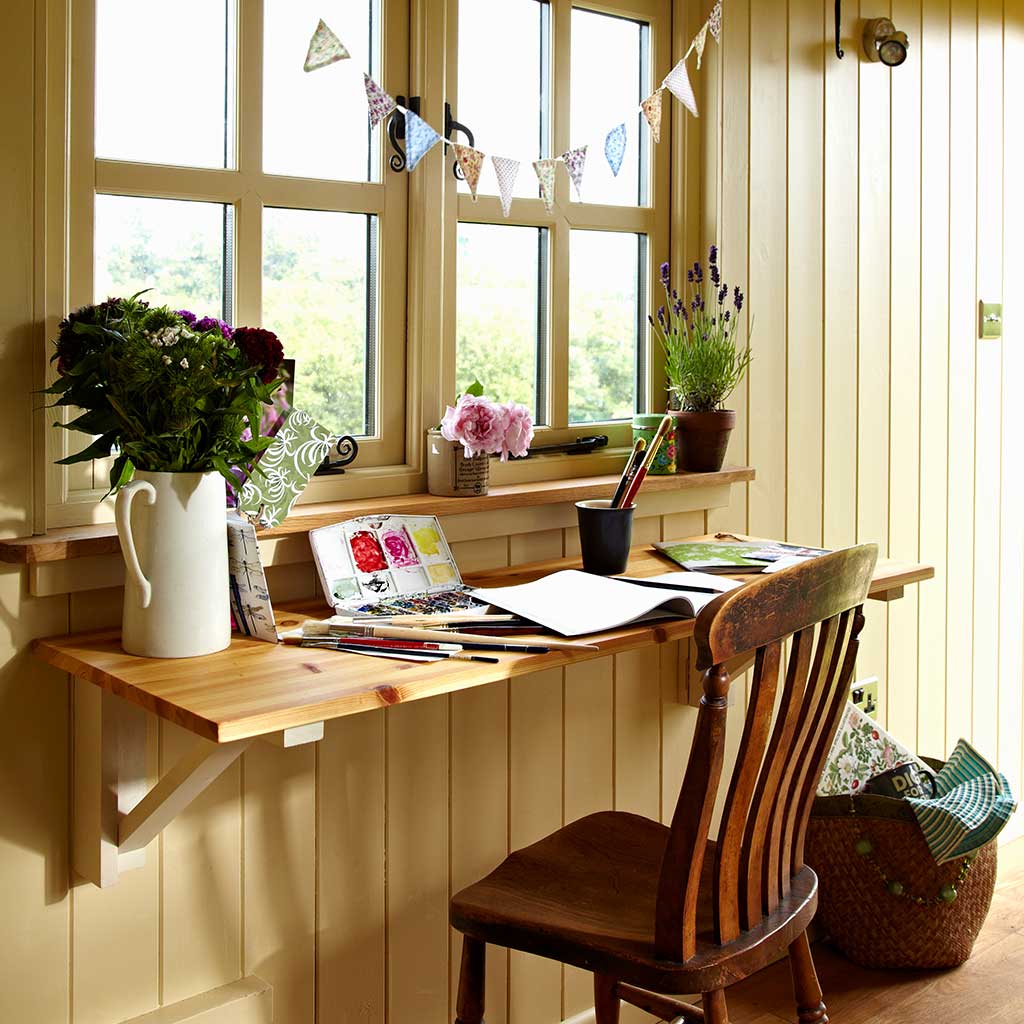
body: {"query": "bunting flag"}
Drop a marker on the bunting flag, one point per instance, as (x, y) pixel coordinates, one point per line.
(715, 22)
(574, 160)
(506, 169)
(471, 161)
(698, 42)
(379, 103)
(324, 48)
(546, 176)
(615, 148)
(677, 81)
(419, 139)
(652, 111)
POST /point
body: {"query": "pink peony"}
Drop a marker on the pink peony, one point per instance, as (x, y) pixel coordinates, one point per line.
(518, 431)
(478, 424)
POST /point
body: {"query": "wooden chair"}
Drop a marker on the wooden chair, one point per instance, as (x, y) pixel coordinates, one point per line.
(656, 912)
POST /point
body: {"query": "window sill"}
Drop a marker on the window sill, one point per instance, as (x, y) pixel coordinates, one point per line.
(101, 538)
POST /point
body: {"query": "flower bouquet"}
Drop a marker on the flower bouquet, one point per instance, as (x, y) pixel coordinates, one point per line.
(480, 428)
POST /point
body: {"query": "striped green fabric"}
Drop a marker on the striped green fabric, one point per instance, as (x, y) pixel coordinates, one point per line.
(971, 805)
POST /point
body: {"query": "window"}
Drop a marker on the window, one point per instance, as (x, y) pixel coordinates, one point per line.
(224, 193)
(551, 308)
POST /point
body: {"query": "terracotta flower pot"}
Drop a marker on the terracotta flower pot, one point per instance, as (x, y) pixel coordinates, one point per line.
(702, 439)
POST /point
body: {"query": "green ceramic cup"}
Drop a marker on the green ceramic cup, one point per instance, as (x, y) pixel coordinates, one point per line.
(645, 425)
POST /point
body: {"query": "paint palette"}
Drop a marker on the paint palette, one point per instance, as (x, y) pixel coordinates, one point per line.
(401, 563)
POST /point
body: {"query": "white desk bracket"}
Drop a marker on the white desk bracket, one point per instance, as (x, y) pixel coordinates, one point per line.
(116, 814)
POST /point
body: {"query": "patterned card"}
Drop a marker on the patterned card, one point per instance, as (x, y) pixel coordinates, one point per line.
(287, 465)
(251, 611)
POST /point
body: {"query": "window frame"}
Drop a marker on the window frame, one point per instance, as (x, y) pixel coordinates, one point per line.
(567, 215)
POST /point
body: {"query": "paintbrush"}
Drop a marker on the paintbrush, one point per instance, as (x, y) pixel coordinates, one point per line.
(433, 620)
(401, 653)
(313, 628)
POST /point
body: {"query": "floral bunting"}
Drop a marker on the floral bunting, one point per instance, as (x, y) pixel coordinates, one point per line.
(324, 48)
(698, 42)
(677, 81)
(506, 169)
(615, 148)
(419, 139)
(471, 161)
(379, 103)
(715, 22)
(652, 111)
(545, 170)
(574, 160)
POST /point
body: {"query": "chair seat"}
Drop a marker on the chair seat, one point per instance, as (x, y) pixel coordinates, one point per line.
(586, 894)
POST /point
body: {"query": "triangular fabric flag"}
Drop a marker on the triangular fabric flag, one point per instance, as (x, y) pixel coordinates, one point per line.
(677, 81)
(379, 103)
(419, 138)
(615, 148)
(546, 176)
(471, 161)
(574, 160)
(324, 48)
(652, 111)
(506, 169)
(715, 21)
(698, 42)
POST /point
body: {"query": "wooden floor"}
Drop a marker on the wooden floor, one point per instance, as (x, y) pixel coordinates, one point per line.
(988, 987)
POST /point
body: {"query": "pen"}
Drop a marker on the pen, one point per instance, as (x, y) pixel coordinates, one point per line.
(632, 463)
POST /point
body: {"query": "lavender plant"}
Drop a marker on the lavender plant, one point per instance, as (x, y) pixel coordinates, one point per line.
(697, 332)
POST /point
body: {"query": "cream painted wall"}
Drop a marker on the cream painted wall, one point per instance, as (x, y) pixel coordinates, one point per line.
(327, 870)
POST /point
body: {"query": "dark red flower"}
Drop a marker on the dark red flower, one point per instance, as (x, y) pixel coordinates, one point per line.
(261, 348)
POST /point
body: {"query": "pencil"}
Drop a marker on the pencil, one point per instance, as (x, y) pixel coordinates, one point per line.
(671, 586)
(630, 468)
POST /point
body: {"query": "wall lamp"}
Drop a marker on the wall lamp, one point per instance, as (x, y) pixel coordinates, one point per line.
(882, 43)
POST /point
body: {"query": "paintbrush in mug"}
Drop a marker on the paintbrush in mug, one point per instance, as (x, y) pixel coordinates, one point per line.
(632, 464)
(652, 450)
(313, 628)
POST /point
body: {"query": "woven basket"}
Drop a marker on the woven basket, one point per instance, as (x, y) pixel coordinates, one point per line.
(871, 926)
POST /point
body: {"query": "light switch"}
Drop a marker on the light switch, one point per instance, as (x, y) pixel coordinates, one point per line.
(991, 320)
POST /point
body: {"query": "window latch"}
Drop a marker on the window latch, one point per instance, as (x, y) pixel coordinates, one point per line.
(581, 446)
(396, 132)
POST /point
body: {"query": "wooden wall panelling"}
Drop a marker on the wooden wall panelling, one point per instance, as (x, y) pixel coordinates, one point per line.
(988, 376)
(803, 388)
(963, 333)
(478, 555)
(479, 815)
(34, 738)
(1011, 590)
(535, 810)
(534, 547)
(638, 732)
(248, 1000)
(418, 862)
(351, 954)
(905, 371)
(935, 341)
(766, 291)
(873, 395)
(588, 776)
(279, 875)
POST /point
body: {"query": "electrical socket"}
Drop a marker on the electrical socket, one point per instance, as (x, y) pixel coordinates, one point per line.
(864, 695)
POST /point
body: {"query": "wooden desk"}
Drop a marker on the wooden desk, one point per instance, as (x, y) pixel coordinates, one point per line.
(284, 694)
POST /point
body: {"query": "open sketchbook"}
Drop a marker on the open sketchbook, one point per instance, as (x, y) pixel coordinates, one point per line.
(574, 603)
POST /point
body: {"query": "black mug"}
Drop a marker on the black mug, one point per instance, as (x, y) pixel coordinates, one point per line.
(605, 536)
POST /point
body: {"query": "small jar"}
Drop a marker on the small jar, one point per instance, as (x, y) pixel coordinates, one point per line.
(645, 425)
(450, 474)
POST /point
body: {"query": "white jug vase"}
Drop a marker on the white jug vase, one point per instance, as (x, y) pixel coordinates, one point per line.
(174, 541)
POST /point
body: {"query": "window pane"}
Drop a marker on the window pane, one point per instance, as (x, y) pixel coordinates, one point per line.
(162, 74)
(317, 291)
(502, 85)
(173, 247)
(500, 326)
(607, 92)
(314, 122)
(604, 311)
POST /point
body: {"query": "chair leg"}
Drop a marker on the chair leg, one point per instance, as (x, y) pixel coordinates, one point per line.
(810, 1007)
(469, 1007)
(715, 1010)
(606, 1000)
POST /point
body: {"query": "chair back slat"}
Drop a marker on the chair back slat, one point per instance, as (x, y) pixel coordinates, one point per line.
(763, 687)
(761, 838)
(757, 873)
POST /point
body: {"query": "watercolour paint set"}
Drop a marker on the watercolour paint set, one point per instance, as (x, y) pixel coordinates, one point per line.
(389, 565)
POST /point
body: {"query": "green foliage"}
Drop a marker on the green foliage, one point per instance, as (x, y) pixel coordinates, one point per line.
(164, 396)
(703, 364)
